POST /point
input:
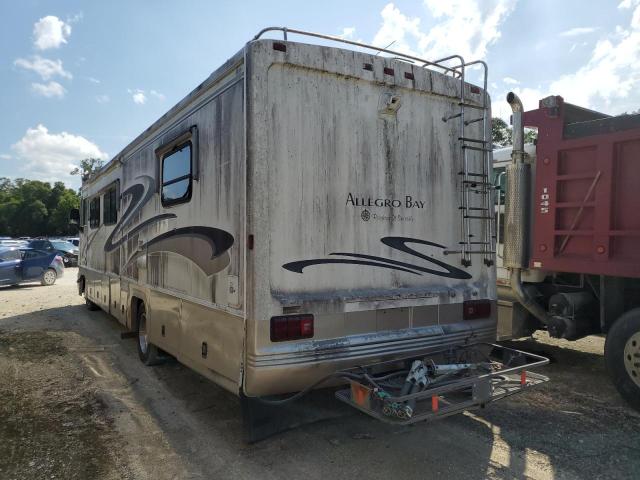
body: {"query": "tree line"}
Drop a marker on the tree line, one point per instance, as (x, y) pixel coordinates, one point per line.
(501, 133)
(32, 208)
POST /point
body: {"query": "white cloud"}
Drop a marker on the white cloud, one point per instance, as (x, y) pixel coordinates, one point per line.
(529, 96)
(49, 90)
(94, 80)
(510, 81)
(574, 32)
(476, 25)
(347, 33)
(5, 156)
(576, 45)
(43, 66)
(613, 71)
(103, 98)
(76, 18)
(156, 94)
(50, 32)
(138, 96)
(628, 3)
(51, 156)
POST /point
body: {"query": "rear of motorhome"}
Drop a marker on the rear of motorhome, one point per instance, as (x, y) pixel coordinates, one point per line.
(305, 210)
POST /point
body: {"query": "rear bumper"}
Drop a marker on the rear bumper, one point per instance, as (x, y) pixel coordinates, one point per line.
(292, 371)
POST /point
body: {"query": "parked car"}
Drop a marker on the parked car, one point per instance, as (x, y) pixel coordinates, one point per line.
(74, 240)
(19, 265)
(12, 242)
(66, 250)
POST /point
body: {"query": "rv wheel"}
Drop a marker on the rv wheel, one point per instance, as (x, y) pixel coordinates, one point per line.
(90, 305)
(622, 356)
(148, 352)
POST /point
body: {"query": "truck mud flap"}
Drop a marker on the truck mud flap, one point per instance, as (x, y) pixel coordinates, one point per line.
(427, 388)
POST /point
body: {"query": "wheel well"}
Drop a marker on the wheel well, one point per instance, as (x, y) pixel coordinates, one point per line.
(81, 284)
(135, 305)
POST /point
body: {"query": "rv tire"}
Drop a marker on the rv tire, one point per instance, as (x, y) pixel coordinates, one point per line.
(148, 353)
(90, 305)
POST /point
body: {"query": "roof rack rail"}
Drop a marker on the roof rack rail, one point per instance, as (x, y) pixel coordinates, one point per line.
(425, 63)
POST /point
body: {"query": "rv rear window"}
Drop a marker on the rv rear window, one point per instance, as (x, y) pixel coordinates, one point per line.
(176, 175)
(94, 212)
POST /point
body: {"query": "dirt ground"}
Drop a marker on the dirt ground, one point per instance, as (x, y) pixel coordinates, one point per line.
(75, 402)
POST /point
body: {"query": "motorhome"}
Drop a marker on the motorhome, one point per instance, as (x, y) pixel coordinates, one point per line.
(306, 209)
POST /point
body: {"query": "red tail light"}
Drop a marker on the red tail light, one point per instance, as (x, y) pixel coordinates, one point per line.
(474, 309)
(291, 327)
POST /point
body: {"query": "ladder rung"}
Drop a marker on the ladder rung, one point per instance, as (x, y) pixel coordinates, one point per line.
(473, 243)
(472, 252)
(478, 149)
(481, 217)
(469, 122)
(474, 140)
(474, 183)
(474, 174)
(471, 105)
(484, 209)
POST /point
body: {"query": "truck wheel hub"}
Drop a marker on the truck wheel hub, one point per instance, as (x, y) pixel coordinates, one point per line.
(632, 357)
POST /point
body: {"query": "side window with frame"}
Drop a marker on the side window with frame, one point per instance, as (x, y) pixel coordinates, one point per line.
(83, 212)
(110, 202)
(94, 212)
(177, 174)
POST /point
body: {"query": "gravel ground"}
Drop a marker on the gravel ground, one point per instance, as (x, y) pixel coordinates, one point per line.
(75, 402)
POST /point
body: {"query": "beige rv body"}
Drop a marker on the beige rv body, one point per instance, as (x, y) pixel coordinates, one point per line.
(298, 156)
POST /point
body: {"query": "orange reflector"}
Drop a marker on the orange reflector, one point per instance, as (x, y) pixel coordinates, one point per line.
(434, 403)
(523, 377)
(360, 394)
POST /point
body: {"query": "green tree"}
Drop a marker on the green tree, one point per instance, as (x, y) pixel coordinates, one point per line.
(87, 167)
(500, 132)
(34, 208)
(530, 135)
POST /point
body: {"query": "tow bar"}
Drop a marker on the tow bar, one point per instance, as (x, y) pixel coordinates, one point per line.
(414, 389)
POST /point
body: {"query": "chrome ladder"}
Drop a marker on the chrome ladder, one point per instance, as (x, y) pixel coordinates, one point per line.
(474, 182)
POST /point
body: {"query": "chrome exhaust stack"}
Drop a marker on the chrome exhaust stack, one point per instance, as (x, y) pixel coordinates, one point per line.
(517, 214)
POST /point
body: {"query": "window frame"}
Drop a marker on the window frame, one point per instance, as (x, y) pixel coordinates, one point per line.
(187, 197)
(111, 197)
(190, 136)
(95, 224)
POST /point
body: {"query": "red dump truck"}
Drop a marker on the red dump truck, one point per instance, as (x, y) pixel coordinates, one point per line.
(569, 232)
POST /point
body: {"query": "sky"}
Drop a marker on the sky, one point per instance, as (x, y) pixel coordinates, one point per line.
(83, 78)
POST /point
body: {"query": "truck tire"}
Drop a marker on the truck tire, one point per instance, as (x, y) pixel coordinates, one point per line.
(147, 352)
(49, 277)
(622, 356)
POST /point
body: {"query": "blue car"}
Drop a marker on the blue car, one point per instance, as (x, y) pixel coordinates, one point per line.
(19, 265)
